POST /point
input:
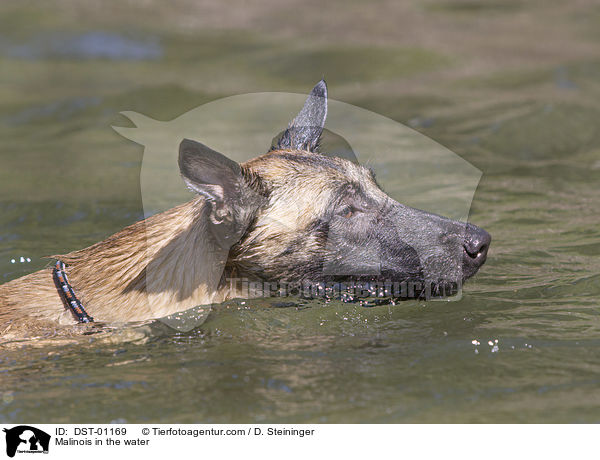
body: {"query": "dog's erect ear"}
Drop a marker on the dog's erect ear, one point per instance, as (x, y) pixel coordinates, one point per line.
(221, 182)
(305, 130)
(209, 173)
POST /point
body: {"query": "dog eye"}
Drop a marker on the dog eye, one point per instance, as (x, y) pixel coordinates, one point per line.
(348, 211)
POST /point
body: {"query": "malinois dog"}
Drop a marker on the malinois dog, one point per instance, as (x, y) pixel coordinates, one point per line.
(292, 215)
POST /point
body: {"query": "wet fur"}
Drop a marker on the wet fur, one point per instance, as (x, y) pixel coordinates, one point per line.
(158, 266)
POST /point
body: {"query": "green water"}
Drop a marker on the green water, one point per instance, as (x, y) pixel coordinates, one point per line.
(532, 126)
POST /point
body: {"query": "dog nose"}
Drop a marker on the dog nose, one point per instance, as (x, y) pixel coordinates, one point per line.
(476, 244)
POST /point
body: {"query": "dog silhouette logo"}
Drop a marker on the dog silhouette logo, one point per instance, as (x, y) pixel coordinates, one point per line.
(26, 439)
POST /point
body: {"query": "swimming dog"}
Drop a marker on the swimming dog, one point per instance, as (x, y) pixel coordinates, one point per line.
(294, 214)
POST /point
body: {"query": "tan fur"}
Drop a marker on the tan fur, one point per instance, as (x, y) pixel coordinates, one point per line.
(300, 192)
(166, 264)
(150, 269)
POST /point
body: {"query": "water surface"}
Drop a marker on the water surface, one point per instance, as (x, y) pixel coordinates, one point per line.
(532, 128)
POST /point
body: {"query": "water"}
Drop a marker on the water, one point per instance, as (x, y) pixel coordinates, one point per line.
(531, 127)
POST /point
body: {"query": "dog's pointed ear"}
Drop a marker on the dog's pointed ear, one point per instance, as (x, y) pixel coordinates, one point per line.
(221, 181)
(208, 172)
(304, 132)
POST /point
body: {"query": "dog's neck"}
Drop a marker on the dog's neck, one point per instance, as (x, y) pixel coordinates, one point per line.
(156, 267)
